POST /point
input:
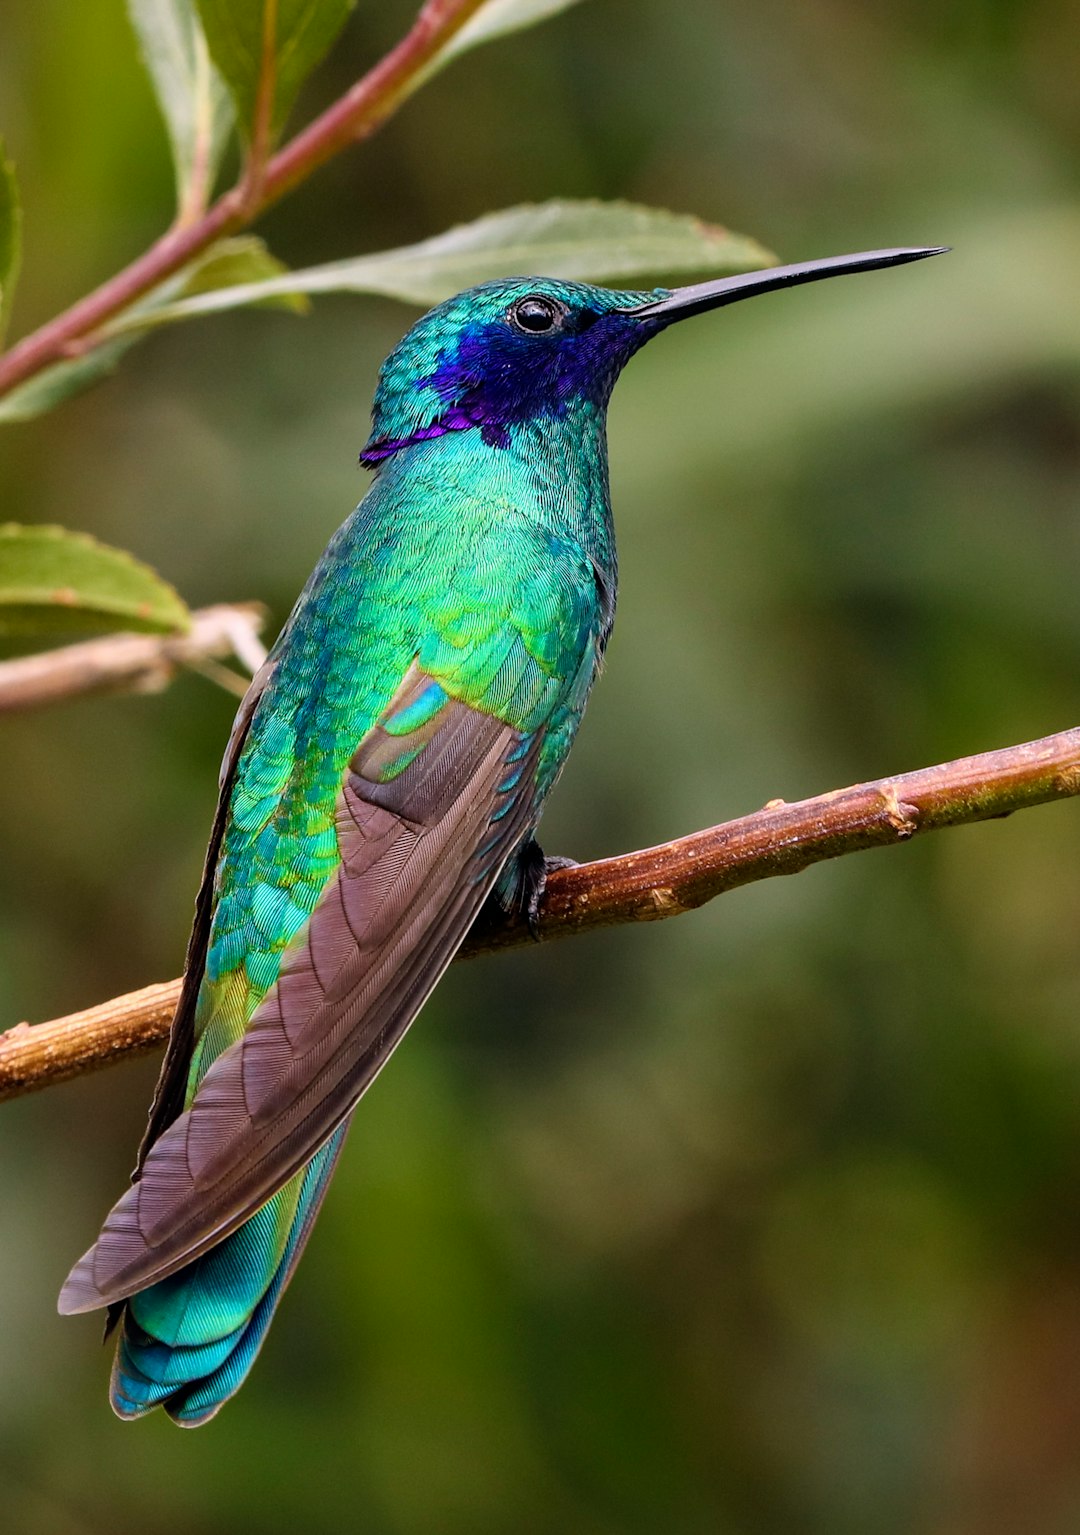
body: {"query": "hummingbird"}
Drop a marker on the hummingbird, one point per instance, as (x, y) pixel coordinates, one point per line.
(381, 786)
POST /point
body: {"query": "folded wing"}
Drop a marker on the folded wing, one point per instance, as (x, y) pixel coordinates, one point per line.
(434, 800)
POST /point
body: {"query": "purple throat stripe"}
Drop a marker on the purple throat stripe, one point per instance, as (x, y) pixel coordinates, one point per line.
(455, 420)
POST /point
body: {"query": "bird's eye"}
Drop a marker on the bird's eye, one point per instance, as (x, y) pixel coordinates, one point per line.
(536, 314)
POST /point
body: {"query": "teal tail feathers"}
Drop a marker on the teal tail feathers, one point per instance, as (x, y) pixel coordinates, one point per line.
(188, 1342)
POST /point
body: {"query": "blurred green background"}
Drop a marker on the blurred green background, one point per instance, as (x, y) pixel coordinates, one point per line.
(762, 1220)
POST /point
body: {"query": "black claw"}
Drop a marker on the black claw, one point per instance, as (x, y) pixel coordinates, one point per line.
(521, 899)
(539, 871)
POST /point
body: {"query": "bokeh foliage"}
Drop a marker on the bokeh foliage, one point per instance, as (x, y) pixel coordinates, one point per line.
(760, 1220)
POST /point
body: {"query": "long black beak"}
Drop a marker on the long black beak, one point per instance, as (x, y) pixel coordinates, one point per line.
(682, 302)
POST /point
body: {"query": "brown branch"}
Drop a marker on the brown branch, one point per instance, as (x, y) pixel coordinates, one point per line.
(36, 1056)
(644, 886)
(356, 115)
(145, 663)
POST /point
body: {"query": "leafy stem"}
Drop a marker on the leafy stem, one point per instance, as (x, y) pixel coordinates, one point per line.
(354, 116)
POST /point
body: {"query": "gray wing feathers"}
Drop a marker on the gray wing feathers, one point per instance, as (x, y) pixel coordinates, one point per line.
(419, 853)
(172, 1082)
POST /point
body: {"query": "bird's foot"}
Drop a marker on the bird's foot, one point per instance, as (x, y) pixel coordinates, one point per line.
(521, 886)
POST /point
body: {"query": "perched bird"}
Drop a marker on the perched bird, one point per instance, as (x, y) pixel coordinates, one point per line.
(383, 780)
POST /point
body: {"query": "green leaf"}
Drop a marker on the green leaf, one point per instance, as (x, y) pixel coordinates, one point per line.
(496, 19)
(302, 32)
(592, 241)
(10, 237)
(52, 580)
(240, 259)
(612, 242)
(191, 93)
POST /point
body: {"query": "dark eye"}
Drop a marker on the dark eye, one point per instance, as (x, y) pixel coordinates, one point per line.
(536, 314)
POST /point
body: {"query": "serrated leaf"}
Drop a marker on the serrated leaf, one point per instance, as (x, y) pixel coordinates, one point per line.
(10, 237)
(191, 93)
(591, 241)
(53, 580)
(496, 19)
(301, 34)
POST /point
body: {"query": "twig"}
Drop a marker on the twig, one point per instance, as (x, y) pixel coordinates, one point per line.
(143, 662)
(644, 886)
(34, 1057)
(356, 115)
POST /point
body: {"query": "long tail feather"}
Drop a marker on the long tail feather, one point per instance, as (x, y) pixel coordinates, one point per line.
(188, 1343)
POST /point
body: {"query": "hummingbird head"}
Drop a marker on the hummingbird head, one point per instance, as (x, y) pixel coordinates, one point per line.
(530, 348)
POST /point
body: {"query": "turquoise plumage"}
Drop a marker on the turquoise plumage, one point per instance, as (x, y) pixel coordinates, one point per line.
(384, 779)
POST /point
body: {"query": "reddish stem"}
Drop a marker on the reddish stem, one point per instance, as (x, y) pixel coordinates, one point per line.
(356, 115)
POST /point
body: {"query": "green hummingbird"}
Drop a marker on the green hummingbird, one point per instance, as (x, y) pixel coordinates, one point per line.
(383, 781)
